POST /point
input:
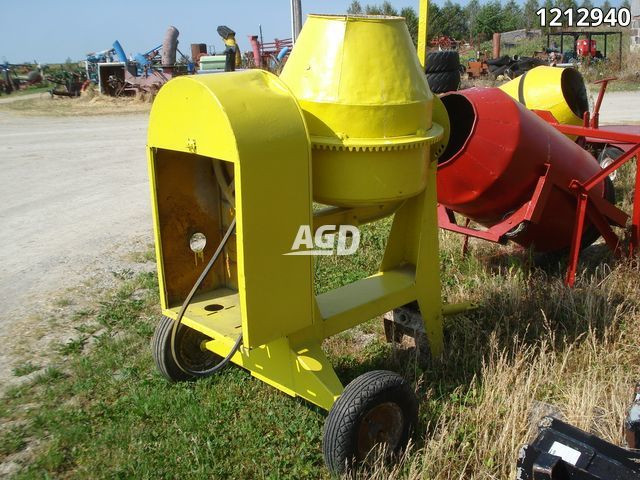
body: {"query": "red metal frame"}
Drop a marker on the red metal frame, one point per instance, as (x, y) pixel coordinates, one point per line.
(599, 211)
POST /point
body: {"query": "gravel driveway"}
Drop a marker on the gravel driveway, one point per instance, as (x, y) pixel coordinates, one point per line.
(74, 201)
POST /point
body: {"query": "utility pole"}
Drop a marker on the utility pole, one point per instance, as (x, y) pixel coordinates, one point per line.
(296, 18)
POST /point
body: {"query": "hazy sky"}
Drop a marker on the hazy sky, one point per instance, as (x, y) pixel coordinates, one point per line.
(48, 31)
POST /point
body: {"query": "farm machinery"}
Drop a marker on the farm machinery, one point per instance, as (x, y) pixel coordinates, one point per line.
(237, 160)
(13, 77)
(116, 75)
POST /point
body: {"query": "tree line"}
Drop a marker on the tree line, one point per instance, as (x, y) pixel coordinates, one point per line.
(475, 21)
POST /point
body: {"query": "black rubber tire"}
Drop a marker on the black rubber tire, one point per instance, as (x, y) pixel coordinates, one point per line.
(442, 61)
(592, 234)
(187, 349)
(375, 390)
(607, 154)
(444, 81)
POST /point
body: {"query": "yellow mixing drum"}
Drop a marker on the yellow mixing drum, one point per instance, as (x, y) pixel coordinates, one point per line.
(369, 116)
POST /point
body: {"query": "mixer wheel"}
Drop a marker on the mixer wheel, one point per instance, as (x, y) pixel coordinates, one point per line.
(188, 350)
(607, 156)
(378, 408)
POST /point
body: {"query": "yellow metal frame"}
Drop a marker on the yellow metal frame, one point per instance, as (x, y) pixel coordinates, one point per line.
(204, 118)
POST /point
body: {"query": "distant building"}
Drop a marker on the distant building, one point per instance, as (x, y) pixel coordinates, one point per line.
(635, 25)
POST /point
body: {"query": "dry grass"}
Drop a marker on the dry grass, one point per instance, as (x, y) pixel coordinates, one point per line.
(87, 104)
(533, 347)
(576, 350)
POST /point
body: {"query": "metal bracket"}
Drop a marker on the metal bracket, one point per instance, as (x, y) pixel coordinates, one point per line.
(563, 452)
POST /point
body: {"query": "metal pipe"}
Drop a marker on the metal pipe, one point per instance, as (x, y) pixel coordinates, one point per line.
(496, 45)
(296, 19)
(119, 51)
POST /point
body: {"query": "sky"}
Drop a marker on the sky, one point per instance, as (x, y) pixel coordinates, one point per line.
(49, 32)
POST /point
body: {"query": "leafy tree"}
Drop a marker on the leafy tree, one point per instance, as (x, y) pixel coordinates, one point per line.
(512, 18)
(530, 17)
(453, 20)
(565, 5)
(586, 4)
(471, 14)
(489, 20)
(606, 6)
(625, 4)
(411, 17)
(548, 5)
(355, 8)
(435, 20)
(388, 9)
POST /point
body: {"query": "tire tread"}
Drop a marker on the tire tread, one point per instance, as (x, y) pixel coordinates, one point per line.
(337, 445)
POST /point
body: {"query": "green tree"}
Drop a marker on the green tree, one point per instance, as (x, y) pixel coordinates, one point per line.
(565, 5)
(388, 9)
(586, 4)
(471, 14)
(454, 22)
(512, 16)
(548, 5)
(435, 20)
(355, 8)
(411, 17)
(531, 19)
(606, 6)
(489, 20)
(625, 4)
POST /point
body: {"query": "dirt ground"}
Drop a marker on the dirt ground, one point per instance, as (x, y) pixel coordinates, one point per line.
(74, 207)
(74, 204)
(620, 107)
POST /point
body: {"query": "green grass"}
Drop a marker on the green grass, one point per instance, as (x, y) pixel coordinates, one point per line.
(25, 369)
(29, 91)
(104, 412)
(107, 413)
(616, 86)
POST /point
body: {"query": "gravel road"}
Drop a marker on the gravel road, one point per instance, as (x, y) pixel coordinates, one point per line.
(74, 201)
(620, 107)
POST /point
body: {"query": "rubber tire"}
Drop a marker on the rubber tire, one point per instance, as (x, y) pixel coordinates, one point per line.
(161, 350)
(444, 81)
(339, 443)
(442, 61)
(611, 152)
(592, 233)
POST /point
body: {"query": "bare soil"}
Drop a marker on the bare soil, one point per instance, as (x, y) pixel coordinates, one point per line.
(74, 205)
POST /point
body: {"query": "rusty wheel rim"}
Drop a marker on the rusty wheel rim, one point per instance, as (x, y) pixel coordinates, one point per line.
(190, 351)
(382, 425)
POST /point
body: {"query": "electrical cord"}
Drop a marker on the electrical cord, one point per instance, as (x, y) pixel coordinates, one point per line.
(185, 304)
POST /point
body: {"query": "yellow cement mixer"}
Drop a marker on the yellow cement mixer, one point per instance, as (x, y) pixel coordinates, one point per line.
(559, 91)
(236, 161)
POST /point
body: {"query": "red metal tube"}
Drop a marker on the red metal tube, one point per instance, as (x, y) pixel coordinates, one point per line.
(255, 47)
(496, 45)
(497, 152)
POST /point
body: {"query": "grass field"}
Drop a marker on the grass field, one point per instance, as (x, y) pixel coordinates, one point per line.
(100, 410)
